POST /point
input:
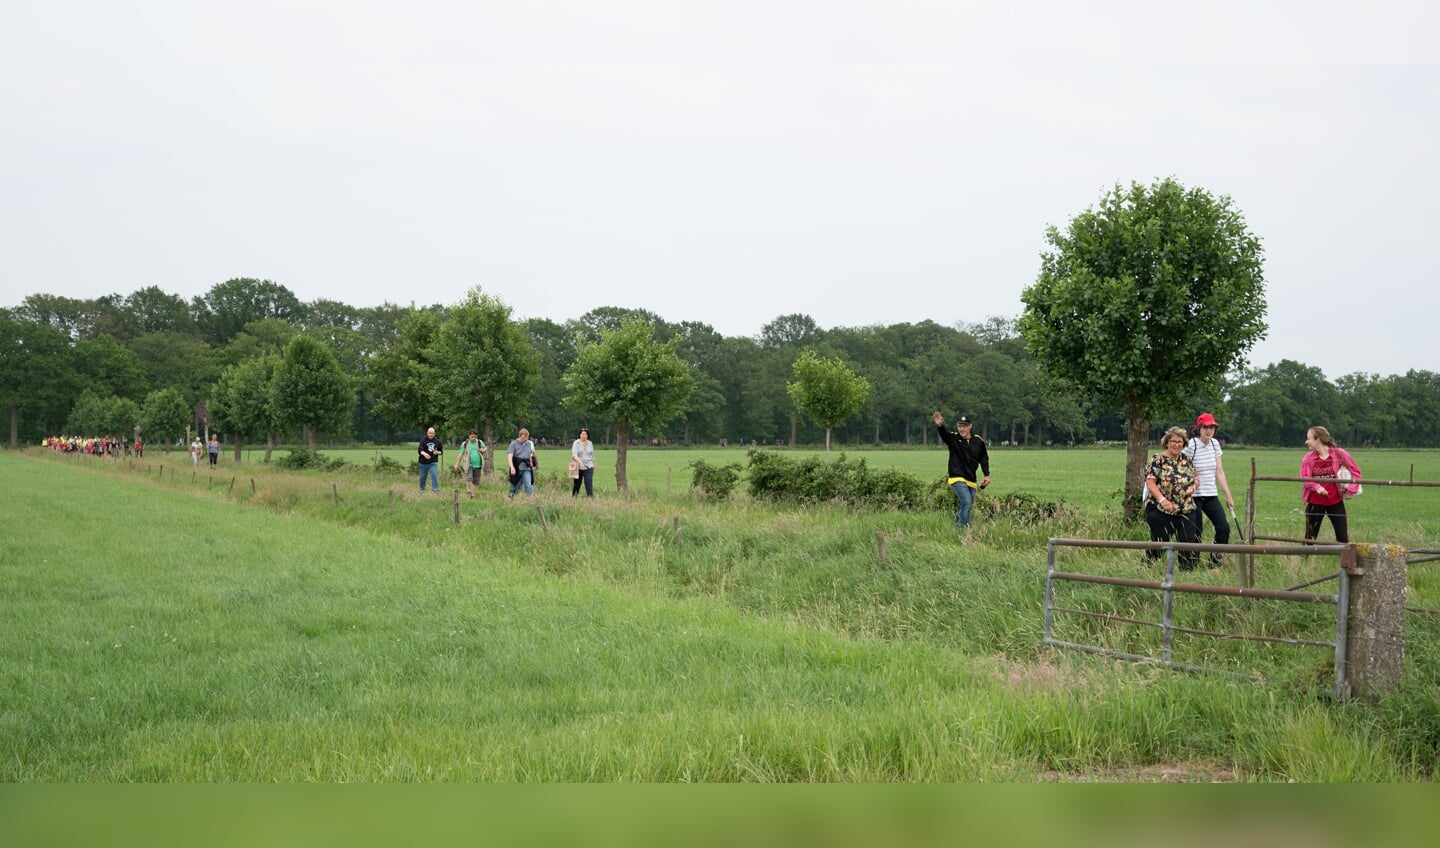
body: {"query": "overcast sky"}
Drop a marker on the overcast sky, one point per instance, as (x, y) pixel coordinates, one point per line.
(859, 162)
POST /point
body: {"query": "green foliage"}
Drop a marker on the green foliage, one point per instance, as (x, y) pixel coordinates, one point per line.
(826, 390)
(1150, 299)
(225, 310)
(714, 481)
(385, 465)
(242, 401)
(304, 460)
(87, 417)
(487, 369)
(815, 480)
(628, 378)
(165, 416)
(35, 376)
(404, 372)
(309, 390)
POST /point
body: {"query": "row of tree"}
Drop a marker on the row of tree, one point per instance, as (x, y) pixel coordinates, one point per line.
(392, 370)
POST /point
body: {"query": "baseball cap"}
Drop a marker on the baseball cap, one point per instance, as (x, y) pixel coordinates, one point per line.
(1206, 420)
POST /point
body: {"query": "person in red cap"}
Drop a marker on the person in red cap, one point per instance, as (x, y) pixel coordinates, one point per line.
(1205, 451)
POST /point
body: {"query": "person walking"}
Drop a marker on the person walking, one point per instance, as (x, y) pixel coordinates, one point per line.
(471, 461)
(582, 459)
(196, 448)
(1326, 459)
(969, 460)
(430, 451)
(1170, 480)
(1205, 452)
(521, 455)
(213, 449)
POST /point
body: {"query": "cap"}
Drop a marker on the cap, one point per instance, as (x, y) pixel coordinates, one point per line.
(964, 419)
(1206, 420)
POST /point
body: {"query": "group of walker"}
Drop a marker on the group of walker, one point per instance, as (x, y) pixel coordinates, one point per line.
(521, 458)
(1184, 481)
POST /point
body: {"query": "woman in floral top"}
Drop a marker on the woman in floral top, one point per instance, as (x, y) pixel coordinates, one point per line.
(1171, 481)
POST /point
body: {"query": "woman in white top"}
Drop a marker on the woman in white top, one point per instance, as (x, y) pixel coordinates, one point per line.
(582, 456)
(1204, 451)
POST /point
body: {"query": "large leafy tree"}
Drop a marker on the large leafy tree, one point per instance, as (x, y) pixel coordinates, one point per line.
(310, 391)
(165, 416)
(403, 374)
(35, 375)
(176, 360)
(629, 378)
(488, 367)
(104, 362)
(826, 390)
(89, 416)
(154, 310)
(1151, 297)
(1277, 404)
(242, 402)
(122, 417)
(225, 310)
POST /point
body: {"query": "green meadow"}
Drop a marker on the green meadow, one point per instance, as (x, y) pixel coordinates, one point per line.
(178, 624)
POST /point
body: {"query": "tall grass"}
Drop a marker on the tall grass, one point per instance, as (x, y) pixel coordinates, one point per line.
(174, 630)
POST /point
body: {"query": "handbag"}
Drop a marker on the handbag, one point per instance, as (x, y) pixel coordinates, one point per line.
(1348, 489)
(574, 470)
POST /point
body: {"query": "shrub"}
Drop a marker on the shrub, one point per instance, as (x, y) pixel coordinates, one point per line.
(385, 465)
(301, 460)
(814, 480)
(714, 481)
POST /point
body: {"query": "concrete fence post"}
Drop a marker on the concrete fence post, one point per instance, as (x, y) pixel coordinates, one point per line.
(1375, 623)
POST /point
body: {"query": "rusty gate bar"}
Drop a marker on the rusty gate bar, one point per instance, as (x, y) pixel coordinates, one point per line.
(1168, 586)
(1240, 637)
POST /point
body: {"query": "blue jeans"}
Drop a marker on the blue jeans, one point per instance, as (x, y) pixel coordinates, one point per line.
(966, 496)
(527, 479)
(430, 469)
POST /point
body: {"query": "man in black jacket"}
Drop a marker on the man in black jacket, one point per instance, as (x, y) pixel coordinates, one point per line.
(430, 450)
(967, 456)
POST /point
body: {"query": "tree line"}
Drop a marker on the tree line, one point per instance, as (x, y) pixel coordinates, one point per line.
(252, 361)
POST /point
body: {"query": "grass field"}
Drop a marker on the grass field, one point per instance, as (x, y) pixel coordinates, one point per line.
(248, 625)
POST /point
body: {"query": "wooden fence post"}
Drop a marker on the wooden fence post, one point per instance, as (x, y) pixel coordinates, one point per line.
(543, 526)
(457, 506)
(679, 541)
(335, 490)
(1375, 622)
(880, 546)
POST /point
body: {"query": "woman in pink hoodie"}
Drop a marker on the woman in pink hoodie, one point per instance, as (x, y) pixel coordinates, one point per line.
(1325, 459)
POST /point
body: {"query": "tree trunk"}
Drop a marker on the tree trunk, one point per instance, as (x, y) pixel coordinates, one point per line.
(794, 430)
(622, 442)
(269, 446)
(827, 443)
(877, 434)
(488, 463)
(14, 426)
(239, 443)
(1137, 446)
(310, 435)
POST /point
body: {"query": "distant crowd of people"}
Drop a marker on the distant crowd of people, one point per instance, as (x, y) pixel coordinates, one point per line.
(95, 446)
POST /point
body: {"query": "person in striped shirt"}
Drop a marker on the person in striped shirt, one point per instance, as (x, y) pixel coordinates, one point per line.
(1205, 452)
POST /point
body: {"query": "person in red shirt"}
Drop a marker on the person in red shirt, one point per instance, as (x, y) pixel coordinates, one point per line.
(1325, 459)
